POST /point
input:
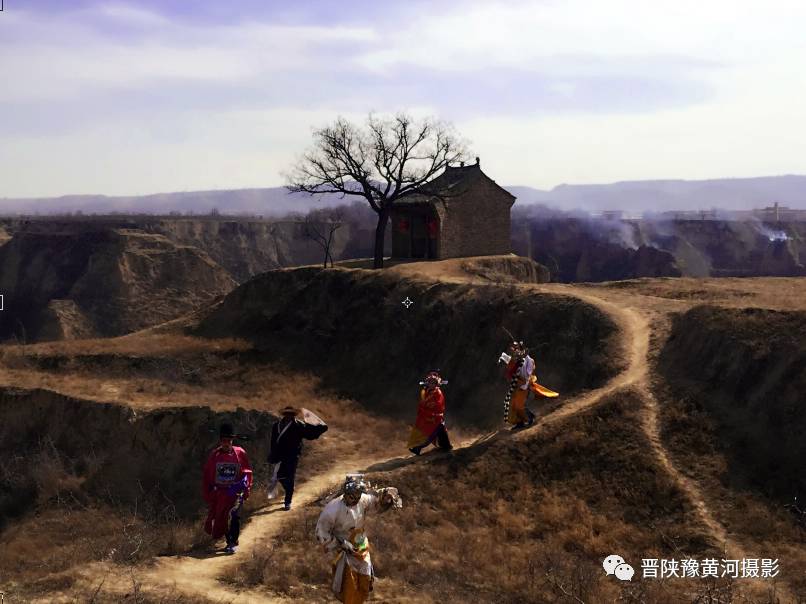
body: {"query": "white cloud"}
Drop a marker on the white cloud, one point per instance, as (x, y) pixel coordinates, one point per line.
(65, 59)
(217, 149)
(131, 15)
(497, 34)
(714, 140)
(750, 56)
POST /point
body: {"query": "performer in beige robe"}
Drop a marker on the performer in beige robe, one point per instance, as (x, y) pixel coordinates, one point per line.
(340, 530)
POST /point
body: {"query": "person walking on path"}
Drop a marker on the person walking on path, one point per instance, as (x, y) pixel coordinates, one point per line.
(285, 447)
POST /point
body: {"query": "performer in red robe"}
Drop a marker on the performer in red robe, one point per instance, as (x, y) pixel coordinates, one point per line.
(430, 424)
(226, 483)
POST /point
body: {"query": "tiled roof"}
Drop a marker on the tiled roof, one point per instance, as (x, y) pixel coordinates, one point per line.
(451, 183)
(450, 179)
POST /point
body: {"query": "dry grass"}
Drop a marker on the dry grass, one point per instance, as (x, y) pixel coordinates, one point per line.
(59, 527)
(221, 378)
(730, 417)
(63, 588)
(140, 344)
(763, 525)
(65, 527)
(510, 521)
(781, 293)
(517, 521)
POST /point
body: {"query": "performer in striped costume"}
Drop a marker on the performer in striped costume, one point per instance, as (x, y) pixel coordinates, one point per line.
(522, 379)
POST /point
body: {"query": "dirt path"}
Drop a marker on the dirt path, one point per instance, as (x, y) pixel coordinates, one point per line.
(634, 316)
(636, 333)
(635, 327)
(200, 576)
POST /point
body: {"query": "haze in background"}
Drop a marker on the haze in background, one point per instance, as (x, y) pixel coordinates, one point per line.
(656, 196)
(129, 98)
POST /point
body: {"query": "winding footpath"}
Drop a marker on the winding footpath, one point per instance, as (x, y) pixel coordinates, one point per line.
(200, 576)
(636, 331)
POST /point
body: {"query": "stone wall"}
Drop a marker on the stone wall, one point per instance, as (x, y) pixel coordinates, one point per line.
(477, 223)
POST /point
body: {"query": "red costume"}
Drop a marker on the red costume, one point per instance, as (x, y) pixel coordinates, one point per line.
(430, 423)
(227, 481)
(430, 411)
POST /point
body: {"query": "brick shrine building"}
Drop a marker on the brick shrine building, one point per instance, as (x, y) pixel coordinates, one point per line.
(462, 212)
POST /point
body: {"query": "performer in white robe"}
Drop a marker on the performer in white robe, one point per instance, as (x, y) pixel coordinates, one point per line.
(340, 530)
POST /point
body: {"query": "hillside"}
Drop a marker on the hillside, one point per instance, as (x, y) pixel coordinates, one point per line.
(353, 321)
(643, 454)
(100, 283)
(242, 246)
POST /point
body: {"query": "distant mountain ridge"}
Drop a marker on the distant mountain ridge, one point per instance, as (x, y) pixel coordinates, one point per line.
(270, 201)
(660, 195)
(655, 195)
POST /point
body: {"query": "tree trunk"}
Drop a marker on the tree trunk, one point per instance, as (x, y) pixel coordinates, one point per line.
(380, 236)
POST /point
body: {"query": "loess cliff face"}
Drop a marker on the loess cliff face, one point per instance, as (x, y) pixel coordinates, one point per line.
(104, 448)
(741, 371)
(244, 247)
(576, 249)
(100, 283)
(722, 248)
(247, 248)
(583, 248)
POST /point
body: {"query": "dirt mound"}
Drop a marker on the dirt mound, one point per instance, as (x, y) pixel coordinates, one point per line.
(351, 328)
(111, 449)
(108, 282)
(507, 269)
(743, 372)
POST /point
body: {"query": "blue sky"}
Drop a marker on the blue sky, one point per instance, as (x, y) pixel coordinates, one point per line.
(141, 97)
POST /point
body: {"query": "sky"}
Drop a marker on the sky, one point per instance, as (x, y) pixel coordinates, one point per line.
(125, 98)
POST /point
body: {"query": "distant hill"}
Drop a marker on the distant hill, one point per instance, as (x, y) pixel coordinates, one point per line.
(726, 193)
(61, 285)
(273, 201)
(660, 195)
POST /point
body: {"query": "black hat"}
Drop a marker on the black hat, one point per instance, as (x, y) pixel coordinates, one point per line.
(226, 431)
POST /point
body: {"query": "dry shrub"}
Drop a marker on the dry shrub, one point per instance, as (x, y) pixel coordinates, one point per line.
(763, 525)
(63, 515)
(518, 521)
(56, 525)
(289, 561)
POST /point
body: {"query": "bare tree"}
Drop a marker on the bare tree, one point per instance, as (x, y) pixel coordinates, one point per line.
(321, 230)
(381, 162)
